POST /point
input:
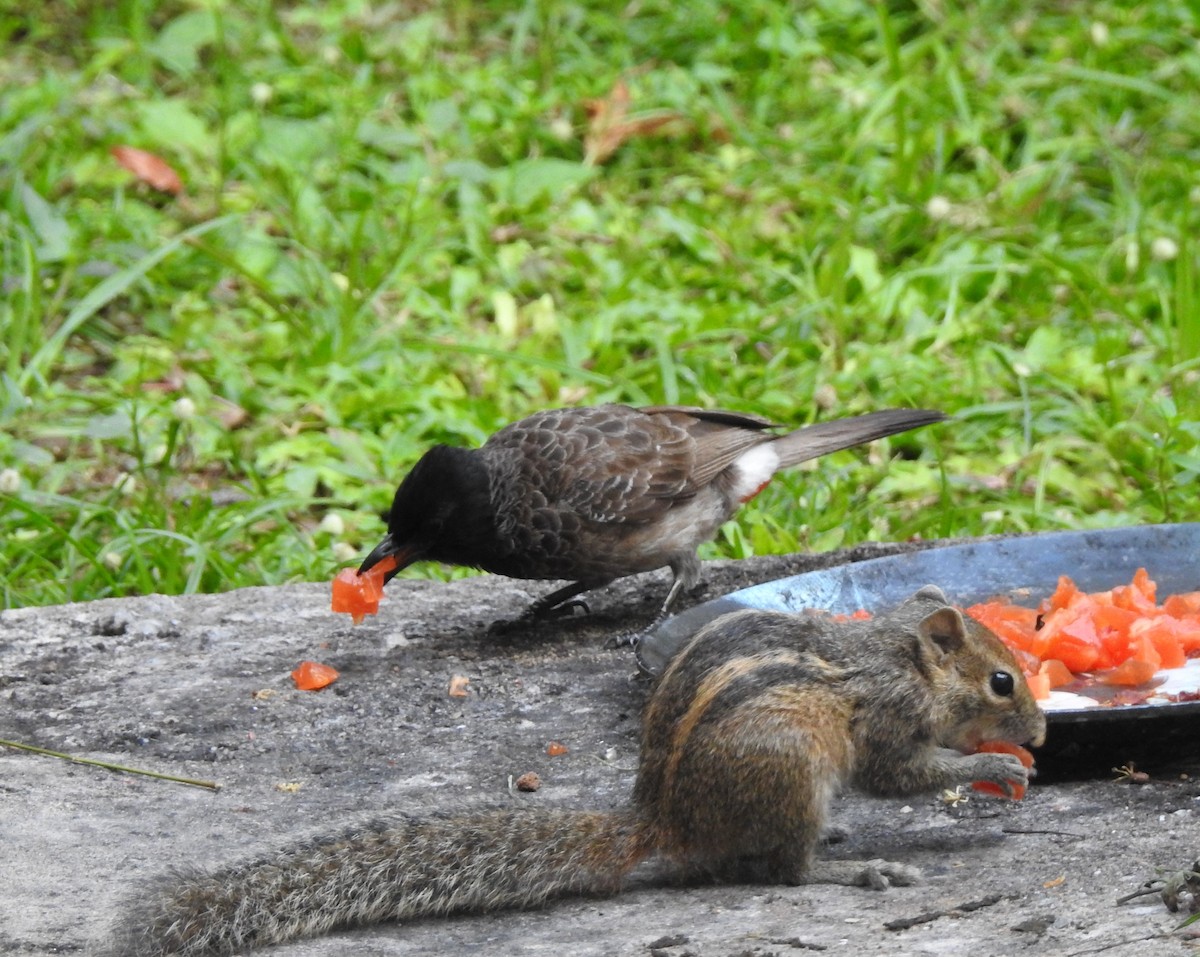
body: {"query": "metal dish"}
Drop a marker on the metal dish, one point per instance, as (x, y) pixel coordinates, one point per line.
(1025, 569)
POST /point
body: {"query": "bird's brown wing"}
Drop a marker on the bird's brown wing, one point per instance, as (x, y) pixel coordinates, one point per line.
(719, 437)
(617, 464)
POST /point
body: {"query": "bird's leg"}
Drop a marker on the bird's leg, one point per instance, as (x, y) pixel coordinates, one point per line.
(678, 586)
(632, 638)
(686, 569)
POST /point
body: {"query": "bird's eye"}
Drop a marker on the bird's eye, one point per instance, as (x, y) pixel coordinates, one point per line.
(1002, 683)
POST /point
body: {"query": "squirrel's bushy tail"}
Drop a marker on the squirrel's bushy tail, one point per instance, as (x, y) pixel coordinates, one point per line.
(822, 438)
(394, 868)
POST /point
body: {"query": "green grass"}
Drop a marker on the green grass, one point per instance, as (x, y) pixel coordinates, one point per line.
(389, 239)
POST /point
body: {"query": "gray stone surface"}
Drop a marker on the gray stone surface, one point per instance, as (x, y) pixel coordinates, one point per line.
(170, 684)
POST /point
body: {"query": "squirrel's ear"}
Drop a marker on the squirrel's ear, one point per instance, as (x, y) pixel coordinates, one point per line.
(944, 629)
(933, 593)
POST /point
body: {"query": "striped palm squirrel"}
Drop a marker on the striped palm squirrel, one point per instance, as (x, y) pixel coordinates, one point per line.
(747, 737)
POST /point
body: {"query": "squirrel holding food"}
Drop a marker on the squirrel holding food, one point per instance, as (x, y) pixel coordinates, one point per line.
(749, 734)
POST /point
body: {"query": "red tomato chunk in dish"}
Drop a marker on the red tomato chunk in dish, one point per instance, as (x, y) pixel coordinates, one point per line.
(1117, 637)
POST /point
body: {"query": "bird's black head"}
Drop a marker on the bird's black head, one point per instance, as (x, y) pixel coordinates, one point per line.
(441, 502)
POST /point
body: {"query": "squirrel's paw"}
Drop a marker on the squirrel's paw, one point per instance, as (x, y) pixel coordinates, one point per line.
(1003, 770)
(877, 874)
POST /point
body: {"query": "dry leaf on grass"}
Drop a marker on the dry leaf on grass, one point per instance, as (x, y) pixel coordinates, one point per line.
(610, 124)
(150, 169)
(172, 381)
(230, 414)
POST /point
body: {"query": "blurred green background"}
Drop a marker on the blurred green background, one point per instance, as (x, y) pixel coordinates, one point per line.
(408, 223)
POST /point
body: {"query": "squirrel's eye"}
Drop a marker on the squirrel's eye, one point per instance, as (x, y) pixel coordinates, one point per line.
(1002, 683)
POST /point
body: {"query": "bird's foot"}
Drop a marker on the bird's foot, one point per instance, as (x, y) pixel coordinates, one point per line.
(626, 639)
(539, 612)
(633, 638)
(565, 609)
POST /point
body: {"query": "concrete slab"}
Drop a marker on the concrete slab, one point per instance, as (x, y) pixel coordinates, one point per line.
(174, 685)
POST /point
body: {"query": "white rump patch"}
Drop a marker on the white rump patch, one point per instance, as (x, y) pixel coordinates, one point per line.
(752, 470)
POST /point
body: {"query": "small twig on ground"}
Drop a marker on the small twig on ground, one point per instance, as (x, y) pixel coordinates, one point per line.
(1021, 830)
(904, 923)
(797, 943)
(1151, 887)
(210, 785)
(1176, 888)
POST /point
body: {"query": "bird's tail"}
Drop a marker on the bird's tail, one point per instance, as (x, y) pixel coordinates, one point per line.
(396, 868)
(824, 437)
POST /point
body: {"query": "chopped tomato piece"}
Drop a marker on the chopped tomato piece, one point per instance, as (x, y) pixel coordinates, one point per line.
(1076, 645)
(1003, 747)
(1143, 583)
(357, 594)
(1126, 597)
(1063, 596)
(1015, 624)
(1029, 663)
(1188, 631)
(1121, 632)
(1039, 686)
(312, 675)
(1112, 627)
(1163, 635)
(1141, 648)
(1180, 606)
(1134, 671)
(1056, 672)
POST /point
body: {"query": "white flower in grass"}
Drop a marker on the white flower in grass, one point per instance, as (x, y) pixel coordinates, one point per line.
(344, 551)
(332, 524)
(262, 93)
(1099, 33)
(938, 208)
(825, 397)
(184, 409)
(125, 483)
(856, 98)
(561, 128)
(1164, 248)
(113, 560)
(10, 481)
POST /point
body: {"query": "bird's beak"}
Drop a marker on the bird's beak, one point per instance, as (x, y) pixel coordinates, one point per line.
(404, 556)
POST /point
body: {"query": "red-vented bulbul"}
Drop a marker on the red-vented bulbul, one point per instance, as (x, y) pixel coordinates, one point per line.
(594, 494)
